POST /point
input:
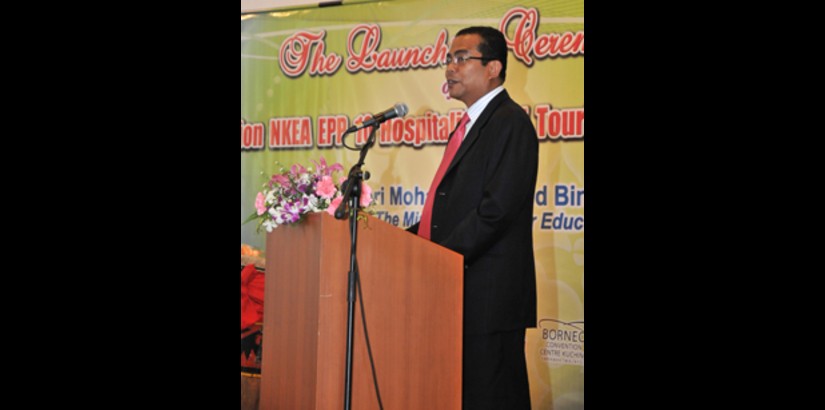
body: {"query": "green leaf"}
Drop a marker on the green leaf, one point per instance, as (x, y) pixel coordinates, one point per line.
(251, 218)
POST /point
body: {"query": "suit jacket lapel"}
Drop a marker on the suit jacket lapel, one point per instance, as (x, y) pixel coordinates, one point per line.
(475, 131)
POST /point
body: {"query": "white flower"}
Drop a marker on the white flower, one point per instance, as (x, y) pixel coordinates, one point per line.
(270, 197)
(269, 225)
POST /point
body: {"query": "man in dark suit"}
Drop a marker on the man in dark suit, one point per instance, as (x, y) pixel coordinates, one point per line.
(481, 205)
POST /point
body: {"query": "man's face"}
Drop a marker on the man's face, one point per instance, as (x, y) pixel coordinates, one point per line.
(469, 80)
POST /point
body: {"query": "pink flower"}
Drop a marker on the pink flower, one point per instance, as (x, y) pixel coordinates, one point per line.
(260, 203)
(280, 180)
(366, 194)
(298, 169)
(325, 188)
(323, 169)
(334, 205)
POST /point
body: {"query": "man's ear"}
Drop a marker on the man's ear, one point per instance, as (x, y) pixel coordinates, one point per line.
(493, 68)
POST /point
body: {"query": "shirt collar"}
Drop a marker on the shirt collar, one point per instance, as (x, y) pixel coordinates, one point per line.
(475, 110)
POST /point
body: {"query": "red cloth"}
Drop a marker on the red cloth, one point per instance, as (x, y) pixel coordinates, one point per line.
(449, 153)
(252, 296)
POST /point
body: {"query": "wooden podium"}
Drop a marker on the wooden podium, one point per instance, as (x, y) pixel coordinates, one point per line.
(413, 295)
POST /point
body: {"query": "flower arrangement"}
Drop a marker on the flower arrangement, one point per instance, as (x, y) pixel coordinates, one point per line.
(290, 194)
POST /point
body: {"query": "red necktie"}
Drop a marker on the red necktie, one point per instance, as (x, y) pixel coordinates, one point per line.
(449, 153)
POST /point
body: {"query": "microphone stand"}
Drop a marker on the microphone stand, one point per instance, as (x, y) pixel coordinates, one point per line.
(351, 198)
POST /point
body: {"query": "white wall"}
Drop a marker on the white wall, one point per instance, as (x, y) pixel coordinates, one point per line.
(261, 5)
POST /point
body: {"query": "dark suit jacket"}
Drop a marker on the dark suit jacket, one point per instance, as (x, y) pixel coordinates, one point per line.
(483, 209)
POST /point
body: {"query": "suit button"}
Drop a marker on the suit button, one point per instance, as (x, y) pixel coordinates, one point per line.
(435, 226)
(442, 193)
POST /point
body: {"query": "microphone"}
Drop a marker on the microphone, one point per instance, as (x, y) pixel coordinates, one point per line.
(399, 110)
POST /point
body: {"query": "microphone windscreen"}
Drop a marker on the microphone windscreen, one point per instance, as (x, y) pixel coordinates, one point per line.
(401, 109)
